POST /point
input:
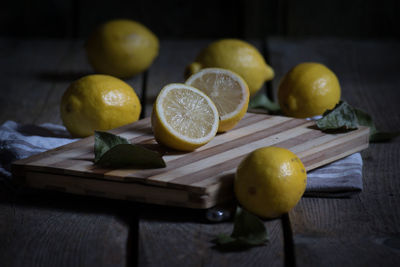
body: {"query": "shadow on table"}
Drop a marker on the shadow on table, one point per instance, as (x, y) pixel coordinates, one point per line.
(35, 201)
(62, 76)
(42, 199)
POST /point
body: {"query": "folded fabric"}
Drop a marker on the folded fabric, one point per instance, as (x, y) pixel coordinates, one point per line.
(341, 178)
(338, 179)
(18, 141)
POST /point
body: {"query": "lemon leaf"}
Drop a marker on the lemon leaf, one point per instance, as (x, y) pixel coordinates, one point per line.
(249, 228)
(104, 141)
(114, 151)
(345, 118)
(341, 118)
(248, 231)
(261, 101)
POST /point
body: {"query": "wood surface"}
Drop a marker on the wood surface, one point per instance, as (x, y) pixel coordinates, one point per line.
(56, 229)
(180, 230)
(41, 229)
(198, 179)
(364, 230)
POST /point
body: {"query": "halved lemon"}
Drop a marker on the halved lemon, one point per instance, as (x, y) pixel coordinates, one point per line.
(227, 90)
(183, 117)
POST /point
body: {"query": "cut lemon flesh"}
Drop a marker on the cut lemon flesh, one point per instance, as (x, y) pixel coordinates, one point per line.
(227, 90)
(183, 117)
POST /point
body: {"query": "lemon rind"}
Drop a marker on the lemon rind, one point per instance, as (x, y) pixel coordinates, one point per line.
(160, 114)
(236, 77)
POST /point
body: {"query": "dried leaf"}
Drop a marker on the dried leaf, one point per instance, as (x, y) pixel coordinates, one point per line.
(340, 119)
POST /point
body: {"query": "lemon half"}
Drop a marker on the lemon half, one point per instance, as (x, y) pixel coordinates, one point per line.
(183, 117)
(227, 90)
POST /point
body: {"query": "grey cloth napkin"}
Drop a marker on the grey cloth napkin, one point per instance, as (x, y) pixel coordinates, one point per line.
(338, 179)
(18, 141)
(341, 178)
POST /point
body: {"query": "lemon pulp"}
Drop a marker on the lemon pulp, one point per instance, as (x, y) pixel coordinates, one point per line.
(227, 90)
(183, 117)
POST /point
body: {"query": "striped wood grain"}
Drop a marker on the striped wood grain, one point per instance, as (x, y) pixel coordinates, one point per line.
(197, 179)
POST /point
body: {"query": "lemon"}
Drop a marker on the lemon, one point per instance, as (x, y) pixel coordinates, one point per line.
(183, 117)
(307, 90)
(270, 181)
(121, 48)
(98, 102)
(237, 56)
(227, 90)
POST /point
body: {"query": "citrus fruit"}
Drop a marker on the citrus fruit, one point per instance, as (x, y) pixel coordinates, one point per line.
(307, 90)
(227, 90)
(183, 117)
(237, 56)
(270, 181)
(98, 102)
(121, 48)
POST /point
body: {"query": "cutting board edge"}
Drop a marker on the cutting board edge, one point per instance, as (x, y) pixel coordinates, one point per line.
(111, 189)
(19, 169)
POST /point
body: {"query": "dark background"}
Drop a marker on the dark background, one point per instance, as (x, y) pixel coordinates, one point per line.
(205, 18)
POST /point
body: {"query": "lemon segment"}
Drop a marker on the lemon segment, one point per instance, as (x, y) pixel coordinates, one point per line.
(227, 90)
(183, 117)
(270, 181)
(307, 90)
(98, 102)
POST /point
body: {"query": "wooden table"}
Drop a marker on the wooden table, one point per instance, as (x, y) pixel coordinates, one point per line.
(53, 229)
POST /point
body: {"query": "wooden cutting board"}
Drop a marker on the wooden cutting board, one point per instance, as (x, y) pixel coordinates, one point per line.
(199, 179)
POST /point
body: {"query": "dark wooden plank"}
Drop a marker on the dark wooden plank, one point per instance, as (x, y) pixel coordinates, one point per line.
(167, 19)
(46, 18)
(184, 232)
(364, 230)
(73, 67)
(35, 74)
(189, 243)
(358, 18)
(39, 229)
(23, 66)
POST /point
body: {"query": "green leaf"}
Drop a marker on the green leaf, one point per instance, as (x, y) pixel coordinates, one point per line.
(263, 102)
(103, 141)
(345, 118)
(342, 118)
(115, 152)
(248, 231)
(249, 228)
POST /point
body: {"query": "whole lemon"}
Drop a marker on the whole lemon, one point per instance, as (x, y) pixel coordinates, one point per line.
(307, 90)
(270, 181)
(121, 48)
(237, 56)
(98, 102)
